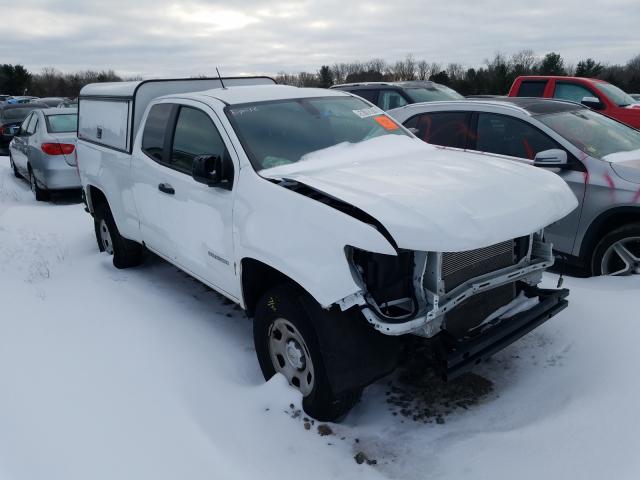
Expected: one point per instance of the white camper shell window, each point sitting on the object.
(106, 122)
(109, 114)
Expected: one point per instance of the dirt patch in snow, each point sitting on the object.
(418, 393)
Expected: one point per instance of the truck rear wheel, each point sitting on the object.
(126, 253)
(286, 342)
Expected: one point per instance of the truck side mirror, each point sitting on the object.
(212, 171)
(553, 158)
(592, 102)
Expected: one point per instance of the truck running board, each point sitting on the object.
(456, 356)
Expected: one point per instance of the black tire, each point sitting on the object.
(629, 231)
(16, 173)
(126, 253)
(297, 307)
(41, 194)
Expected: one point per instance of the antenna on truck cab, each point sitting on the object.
(220, 78)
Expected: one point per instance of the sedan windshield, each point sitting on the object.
(62, 123)
(593, 133)
(616, 95)
(432, 94)
(281, 132)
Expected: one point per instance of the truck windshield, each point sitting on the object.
(594, 134)
(616, 95)
(280, 132)
(432, 94)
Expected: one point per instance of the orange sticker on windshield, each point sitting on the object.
(386, 123)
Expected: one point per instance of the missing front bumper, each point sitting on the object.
(458, 355)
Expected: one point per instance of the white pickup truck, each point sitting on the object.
(331, 225)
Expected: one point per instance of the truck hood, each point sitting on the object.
(434, 199)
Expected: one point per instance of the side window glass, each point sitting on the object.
(370, 95)
(509, 136)
(390, 99)
(195, 134)
(572, 92)
(532, 88)
(31, 128)
(25, 123)
(153, 136)
(447, 129)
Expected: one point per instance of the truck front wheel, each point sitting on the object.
(126, 253)
(286, 342)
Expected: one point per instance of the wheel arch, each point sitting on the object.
(256, 278)
(605, 223)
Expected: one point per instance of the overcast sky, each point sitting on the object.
(170, 38)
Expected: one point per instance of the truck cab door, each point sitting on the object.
(191, 222)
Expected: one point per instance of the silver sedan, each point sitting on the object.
(43, 151)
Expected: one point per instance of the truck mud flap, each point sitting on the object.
(457, 355)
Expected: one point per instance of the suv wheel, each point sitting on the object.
(286, 342)
(618, 253)
(126, 253)
(41, 194)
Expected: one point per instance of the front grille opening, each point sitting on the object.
(459, 267)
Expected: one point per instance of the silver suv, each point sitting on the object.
(597, 156)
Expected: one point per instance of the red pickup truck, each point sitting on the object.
(596, 94)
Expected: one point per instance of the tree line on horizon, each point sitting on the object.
(494, 77)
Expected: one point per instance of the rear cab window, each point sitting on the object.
(64, 123)
(532, 88)
(155, 128)
(370, 95)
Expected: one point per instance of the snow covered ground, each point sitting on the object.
(145, 374)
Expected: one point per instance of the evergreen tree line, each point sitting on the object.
(494, 77)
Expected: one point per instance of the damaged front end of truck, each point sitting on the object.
(470, 304)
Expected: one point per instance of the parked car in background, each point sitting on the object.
(331, 225)
(635, 96)
(43, 151)
(591, 92)
(11, 116)
(52, 102)
(597, 156)
(68, 103)
(4, 98)
(390, 95)
(21, 99)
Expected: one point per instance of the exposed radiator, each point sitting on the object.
(458, 267)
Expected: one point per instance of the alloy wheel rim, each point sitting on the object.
(105, 237)
(622, 258)
(290, 355)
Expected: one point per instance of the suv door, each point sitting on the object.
(192, 222)
(518, 140)
(447, 129)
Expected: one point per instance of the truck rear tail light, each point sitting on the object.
(58, 148)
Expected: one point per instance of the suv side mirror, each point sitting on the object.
(210, 170)
(592, 102)
(554, 158)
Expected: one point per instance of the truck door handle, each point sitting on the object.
(166, 188)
